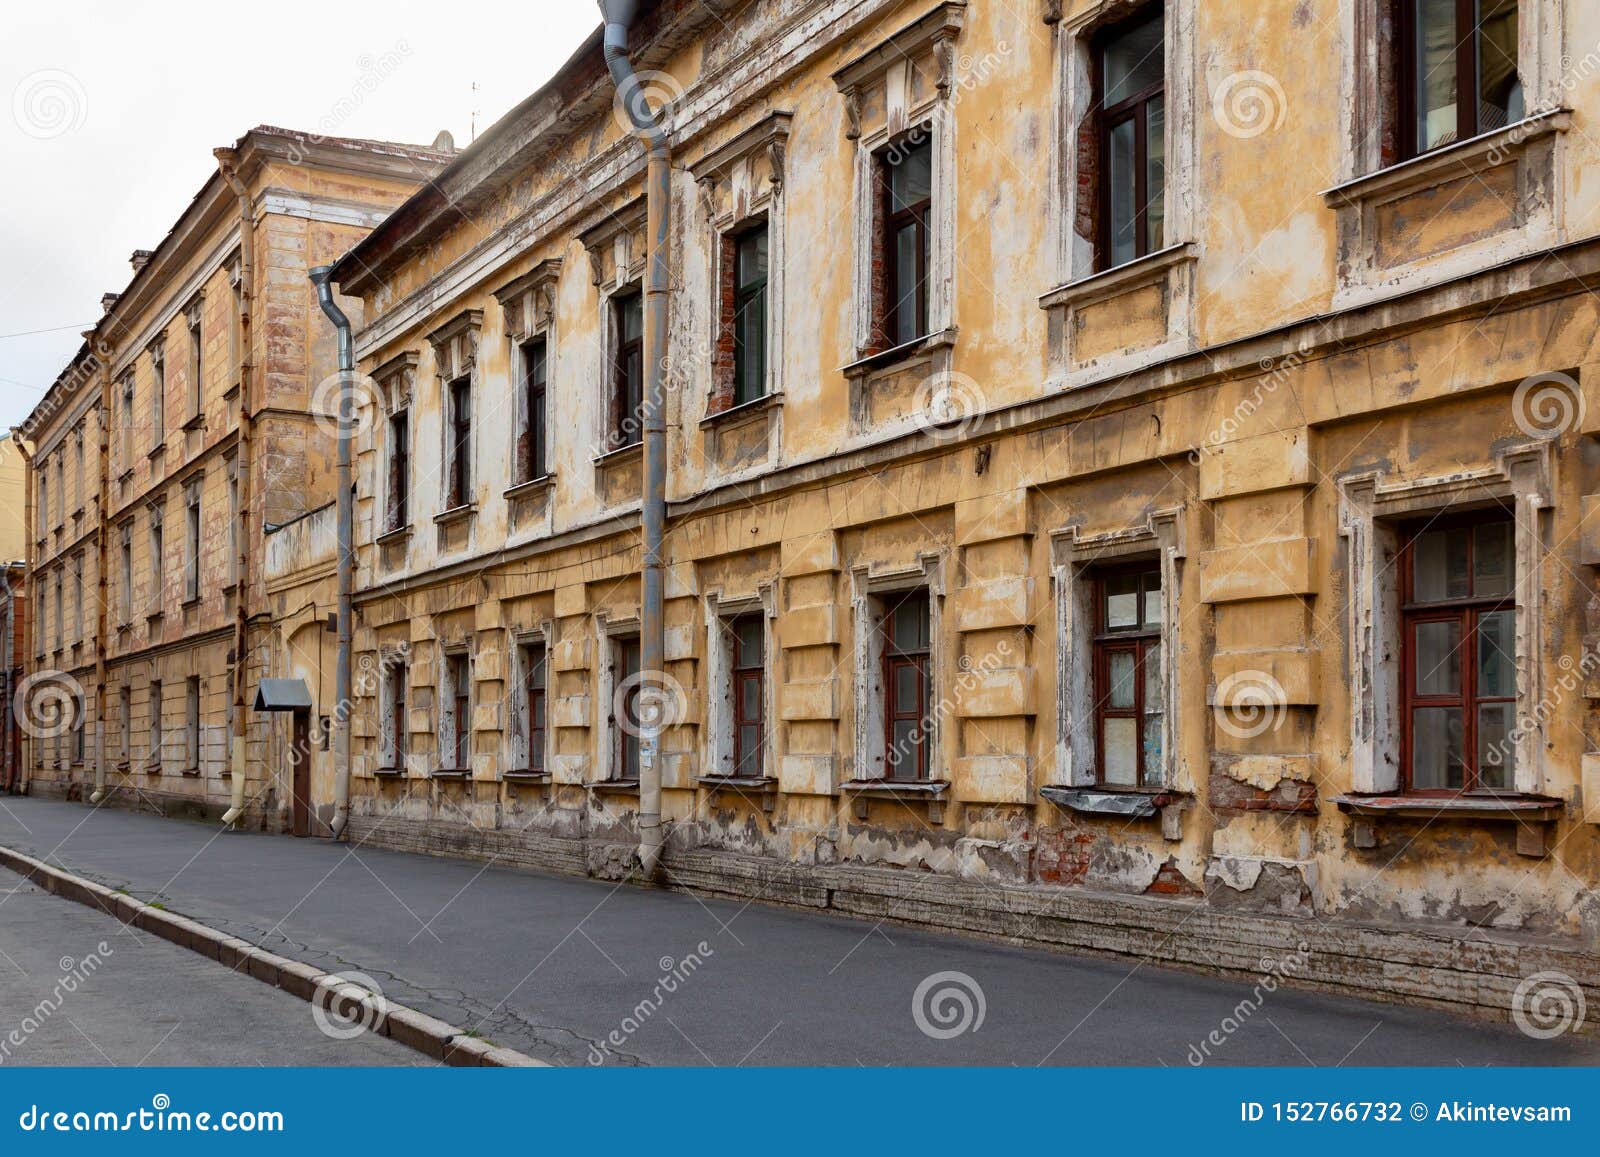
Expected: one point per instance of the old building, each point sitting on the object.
(194, 420)
(1128, 468)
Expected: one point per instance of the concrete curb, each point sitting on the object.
(416, 1030)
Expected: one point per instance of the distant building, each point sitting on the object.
(13, 473)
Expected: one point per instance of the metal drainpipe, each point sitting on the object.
(344, 707)
(619, 15)
(25, 750)
(227, 165)
(101, 547)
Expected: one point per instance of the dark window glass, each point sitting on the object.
(908, 629)
(908, 192)
(397, 712)
(399, 470)
(750, 315)
(460, 690)
(627, 378)
(749, 694)
(460, 442)
(1458, 647)
(626, 725)
(531, 442)
(1127, 677)
(1132, 76)
(1459, 70)
(534, 667)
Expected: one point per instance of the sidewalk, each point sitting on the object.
(571, 970)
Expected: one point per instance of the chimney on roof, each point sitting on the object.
(107, 300)
(444, 142)
(140, 258)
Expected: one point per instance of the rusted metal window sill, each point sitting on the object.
(389, 772)
(764, 787)
(451, 773)
(931, 792)
(525, 775)
(1101, 801)
(615, 787)
(1508, 809)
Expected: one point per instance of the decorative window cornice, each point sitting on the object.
(934, 35)
(616, 246)
(529, 301)
(396, 378)
(738, 178)
(455, 344)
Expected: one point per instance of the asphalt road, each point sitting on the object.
(575, 971)
(78, 987)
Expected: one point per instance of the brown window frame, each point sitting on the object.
(532, 450)
(893, 221)
(625, 664)
(751, 675)
(1467, 54)
(397, 712)
(535, 674)
(1468, 613)
(749, 319)
(460, 492)
(1135, 107)
(1138, 640)
(627, 374)
(458, 670)
(398, 515)
(920, 660)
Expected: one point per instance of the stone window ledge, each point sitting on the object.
(153, 768)
(389, 772)
(932, 792)
(451, 773)
(231, 392)
(620, 454)
(764, 786)
(455, 514)
(157, 449)
(1134, 274)
(525, 775)
(1448, 161)
(615, 787)
(1504, 808)
(191, 772)
(940, 339)
(394, 537)
(195, 422)
(530, 488)
(1139, 804)
(744, 409)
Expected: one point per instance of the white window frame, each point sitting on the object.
(449, 725)
(1075, 558)
(516, 751)
(393, 664)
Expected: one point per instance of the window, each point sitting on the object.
(1128, 677)
(531, 459)
(196, 361)
(625, 724)
(750, 315)
(748, 639)
(44, 499)
(126, 546)
(233, 524)
(457, 732)
(155, 724)
(1458, 67)
(191, 562)
(907, 176)
(1130, 64)
(61, 619)
(533, 690)
(399, 513)
(127, 422)
(394, 713)
(77, 599)
(158, 395)
(191, 723)
(157, 552)
(460, 443)
(907, 681)
(1459, 618)
(235, 316)
(61, 486)
(77, 741)
(83, 478)
(627, 371)
(125, 706)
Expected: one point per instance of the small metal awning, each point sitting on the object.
(283, 695)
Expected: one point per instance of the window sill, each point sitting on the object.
(390, 772)
(1102, 801)
(931, 792)
(196, 422)
(191, 601)
(1129, 275)
(620, 454)
(155, 617)
(524, 775)
(155, 451)
(615, 787)
(455, 514)
(231, 392)
(191, 772)
(765, 787)
(450, 773)
(1503, 808)
(743, 409)
(152, 769)
(531, 487)
(395, 537)
(943, 339)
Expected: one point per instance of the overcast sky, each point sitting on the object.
(115, 108)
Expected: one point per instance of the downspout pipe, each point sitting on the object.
(101, 618)
(30, 513)
(228, 166)
(620, 16)
(344, 707)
